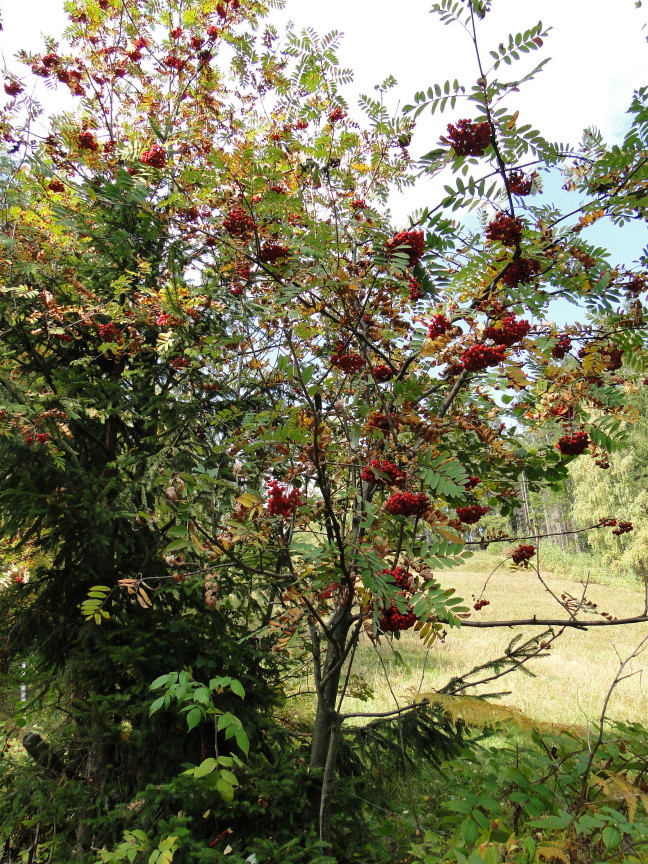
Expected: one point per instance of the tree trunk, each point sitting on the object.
(326, 729)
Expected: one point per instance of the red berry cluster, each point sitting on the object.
(410, 243)
(56, 186)
(110, 332)
(438, 326)
(562, 346)
(358, 204)
(270, 252)
(619, 527)
(479, 604)
(281, 500)
(175, 62)
(613, 358)
(505, 229)
(480, 357)
(635, 286)
(392, 620)
(508, 331)
(471, 514)
(468, 138)
(329, 591)
(349, 363)
(523, 554)
(573, 445)
(242, 270)
(337, 114)
(521, 270)
(87, 141)
(181, 362)
(518, 183)
(407, 504)
(415, 292)
(403, 578)
(238, 222)
(155, 157)
(394, 477)
(471, 482)
(13, 88)
(38, 438)
(383, 373)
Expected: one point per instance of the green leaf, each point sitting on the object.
(205, 767)
(611, 836)
(237, 688)
(194, 717)
(156, 705)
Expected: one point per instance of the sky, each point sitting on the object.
(598, 50)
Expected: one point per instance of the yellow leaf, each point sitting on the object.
(447, 534)
(247, 499)
(143, 599)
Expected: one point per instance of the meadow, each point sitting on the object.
(568, 685)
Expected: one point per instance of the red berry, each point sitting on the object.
(519, 184)
(573, 445)
(438, 326)
(238, 222)
(480, 357)
(56, 186)
(392, 620)
(520, 270)
(523, 554)
(382, 373)
(415, 292)
(282, 501)
(271, 252)
(372, 472)
(562, 346)
(155, 157)
(401, 576)
(407, 504)
(472, 514)
(468, 138)
(87, 141)
(349, 363)
(181, 362)
(175, 62)
(508, 331)
(505, 229)
(337, 114)
(471, 482)
(409, 243)
(13, 88)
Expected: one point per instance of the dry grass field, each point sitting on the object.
(571, 682)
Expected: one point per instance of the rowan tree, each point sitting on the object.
(229, 379)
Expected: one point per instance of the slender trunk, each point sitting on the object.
(327, 687)
(327, 726)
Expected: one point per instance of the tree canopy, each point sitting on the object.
(244, 417)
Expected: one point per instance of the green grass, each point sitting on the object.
(571, 682)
